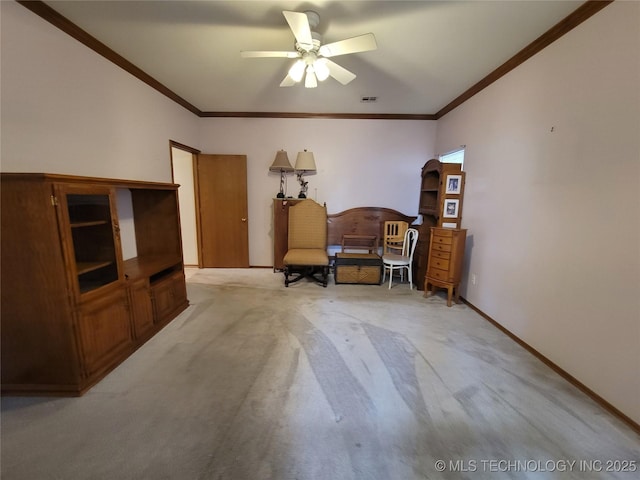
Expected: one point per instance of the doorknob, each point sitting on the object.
(244, 219)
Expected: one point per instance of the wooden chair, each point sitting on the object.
(307, 246)
(395, 261)
(394, 236)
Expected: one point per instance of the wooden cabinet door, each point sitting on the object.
(141, 308)
(179, 289)
(104, 327)
(90, 238)
(169, 295)
(222, 210)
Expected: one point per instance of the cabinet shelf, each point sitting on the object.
(86, 267)
(150, 265)
(429, 210)
(88, 224)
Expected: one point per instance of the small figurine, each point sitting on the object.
(303, 186)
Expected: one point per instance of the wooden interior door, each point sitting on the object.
(221, 190)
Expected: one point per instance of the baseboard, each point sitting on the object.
(568, 377)
(250, 266)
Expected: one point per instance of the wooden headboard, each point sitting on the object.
(362, 221)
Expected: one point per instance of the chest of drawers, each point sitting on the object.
(446, 254)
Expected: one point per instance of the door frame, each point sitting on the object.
(194, 152)
(197, 203)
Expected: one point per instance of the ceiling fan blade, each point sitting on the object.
(299, 24)
(266, 54)
(361, 43)
(288, 82)
(341, 74)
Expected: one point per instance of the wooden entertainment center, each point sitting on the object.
(72, 307)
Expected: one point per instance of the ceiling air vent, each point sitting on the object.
(369, 99)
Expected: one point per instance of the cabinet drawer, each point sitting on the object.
(440, 247)
(443, 232)
(439, 263)
(440, 254)
(437, 274)
(442, 240)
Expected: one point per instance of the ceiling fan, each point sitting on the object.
(313, 57)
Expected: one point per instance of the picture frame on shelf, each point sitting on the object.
(449, 225)
(454, 184)
(450, 208)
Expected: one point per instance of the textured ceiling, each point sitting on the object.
(429, 52)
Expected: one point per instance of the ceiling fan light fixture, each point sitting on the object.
(296, 72)
(321, 69)
(312, 55)
(310, 80)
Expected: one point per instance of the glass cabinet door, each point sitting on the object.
(93, 238)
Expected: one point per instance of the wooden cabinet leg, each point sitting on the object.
(453, 293)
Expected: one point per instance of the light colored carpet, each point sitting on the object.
(257, 381)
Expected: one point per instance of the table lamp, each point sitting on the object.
(305, 164)
(281, 164)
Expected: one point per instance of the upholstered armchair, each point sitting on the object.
(307, 243)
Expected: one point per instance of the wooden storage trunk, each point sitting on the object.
(361, 268)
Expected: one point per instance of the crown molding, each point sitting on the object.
(50, 15)
(586, 10)
(344, 116)
(582, 13)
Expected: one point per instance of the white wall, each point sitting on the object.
(183, 176)
(66, 109)
(124, 205)
(359, 162)
(554, 216)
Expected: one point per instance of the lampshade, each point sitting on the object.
(296, 72)
(310, 80)
(305, 162)
(321, 69)
(281, 163)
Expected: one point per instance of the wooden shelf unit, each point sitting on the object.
(72, 309)
(431, 207)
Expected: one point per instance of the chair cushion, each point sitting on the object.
(395, 259)
(306, 256)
